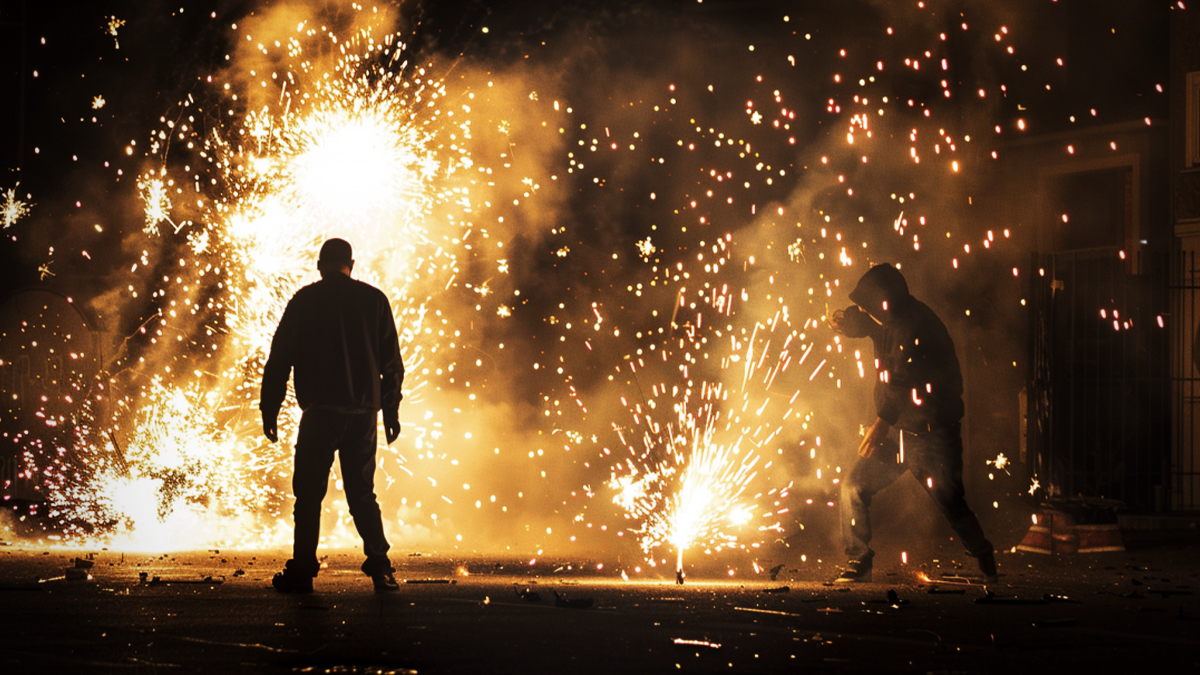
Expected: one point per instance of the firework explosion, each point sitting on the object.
(356, 145)
(672, 333)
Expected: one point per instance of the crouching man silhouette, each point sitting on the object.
(918, 393)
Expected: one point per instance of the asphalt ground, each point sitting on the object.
(215, 611)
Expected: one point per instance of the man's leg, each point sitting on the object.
(315, 445)
(865, 480)
(939, 465)
(356, 452)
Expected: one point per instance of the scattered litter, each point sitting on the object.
(775, 571)
(528, 595)
(576, 603)
(206, 581)
(682, 642)
(1051, 597)
(894, 599)
(431, 581)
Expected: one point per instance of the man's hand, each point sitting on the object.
(838, 321)
(874, 438)
(271, 426)
(852, 322)
(391, 425)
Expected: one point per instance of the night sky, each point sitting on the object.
(60, 56)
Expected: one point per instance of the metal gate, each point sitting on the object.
(1100, 405)
(1185, 376)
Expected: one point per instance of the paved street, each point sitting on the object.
(213, 611)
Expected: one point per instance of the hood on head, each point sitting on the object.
(881, 290)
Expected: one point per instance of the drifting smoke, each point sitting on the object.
(612, 244)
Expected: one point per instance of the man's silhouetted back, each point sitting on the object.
(338, 337)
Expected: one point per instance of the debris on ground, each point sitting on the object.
(527, 594)
(561, 600)
(894, 600)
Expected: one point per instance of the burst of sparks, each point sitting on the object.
(1000, 462)
(158, 204)
(646, 248)
(13, 208)
(114, 24)
(349, 151)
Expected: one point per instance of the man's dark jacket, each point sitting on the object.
(919, 384)
(339, 336)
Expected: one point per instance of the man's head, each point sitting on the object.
(336, 257)
(881, 291)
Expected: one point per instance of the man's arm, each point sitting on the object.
(391, 372)
(276, 372)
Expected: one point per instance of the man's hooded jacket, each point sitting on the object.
(919, 384)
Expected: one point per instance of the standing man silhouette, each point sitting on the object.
(339, 336)
(918, 392)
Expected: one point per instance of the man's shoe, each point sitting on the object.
(856, 571)
(293, 579)
(380, 570)
(987, 565)
(385, 582)
(288, 581)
